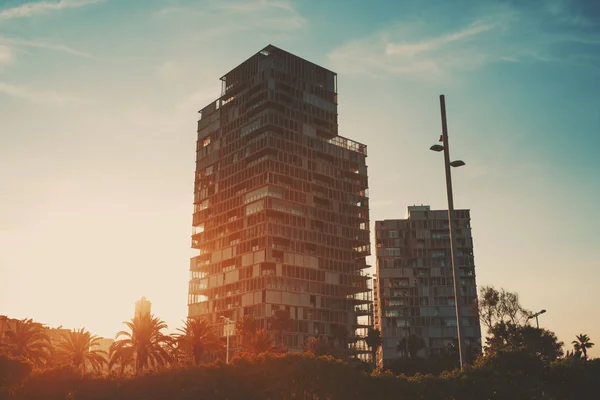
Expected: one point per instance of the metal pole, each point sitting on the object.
(227, 354)
(451, 227)
(537, 322)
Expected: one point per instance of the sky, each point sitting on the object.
(98, 111)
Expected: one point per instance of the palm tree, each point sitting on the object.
(77, 348)
(582, 344)
(29, 340)
(260, 342)
(280, 321)
(373, 340)
(144, 346)
(198, 337)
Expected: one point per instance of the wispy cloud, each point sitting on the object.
(501, 34)
(6, 55)
(36, 96)
(45, 45)
(238, 16)
(41, 7)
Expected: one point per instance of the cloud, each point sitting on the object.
(499, 34)
(435, 43)
(36, 96)
(44, 45)
(32, 8)
(238, 16)
(6, 55)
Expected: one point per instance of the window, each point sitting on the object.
(206, 142)
(251, 127)
(393, 234)
(392, 252)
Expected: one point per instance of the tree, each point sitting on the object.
(340, 332)
(373, 340)
(280, 322)
(197, 338)
(13, 370)
(318, 346)
(495, 306)
(260, 342)
(487, 305)
(411, 346)
(246, 326)
(510, 307)
(582, 344)
(144, 345)
(541, 342)
(506, 336)
(77, 348)
(29, 340)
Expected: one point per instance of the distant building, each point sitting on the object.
(104, 345)
(142, 307)
(6, 324)
(414, 292)
(281, 208)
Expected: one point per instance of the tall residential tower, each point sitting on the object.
(414, 293)
(281, 209)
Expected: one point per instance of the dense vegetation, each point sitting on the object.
(510, 375)
(520, 362)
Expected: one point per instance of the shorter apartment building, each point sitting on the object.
(414, 293)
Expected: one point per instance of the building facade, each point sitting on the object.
(414, 294)
(281, 209)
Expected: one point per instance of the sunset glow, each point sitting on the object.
(98, 114)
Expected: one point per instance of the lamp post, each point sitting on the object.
(536, 315)
(227, 321)
(447, 165)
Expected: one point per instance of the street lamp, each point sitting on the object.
(536, 315)
(227, 331)
(447, 164)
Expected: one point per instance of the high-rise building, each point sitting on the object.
(142, 307)
(414, 293)
(281, 209)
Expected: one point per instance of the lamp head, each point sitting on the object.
(457, 163)
(436, 147)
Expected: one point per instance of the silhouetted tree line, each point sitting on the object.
(520, 362)
(506, 375)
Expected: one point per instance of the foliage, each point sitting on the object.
(259, 343)
(495, 306)
(581, 345)
(13, 369)
(318, 346)
(340, 333)
(197, 339)
(409, 347)
(29, 341)
(280, 322)
(144, 346)
(77, 349)
(246, 326)
(506, 336)
(508, 375)
(373, 340)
